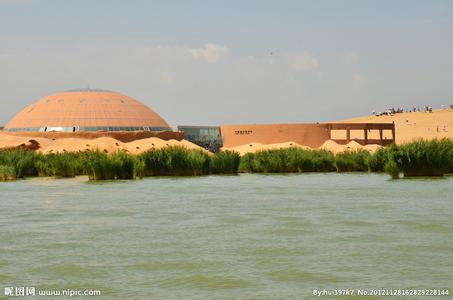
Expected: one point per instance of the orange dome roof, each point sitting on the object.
(87, 110)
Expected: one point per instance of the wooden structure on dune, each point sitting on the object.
(373, 133)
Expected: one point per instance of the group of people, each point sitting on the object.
(391, 111)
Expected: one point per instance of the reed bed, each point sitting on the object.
(422, 158)
(20, 160)
(119, 165)
(378, 160)
(59, 165)
(7, 173)
(419, 158)
(175, 161)
(288, 160)
(352, 161)
(226, 162)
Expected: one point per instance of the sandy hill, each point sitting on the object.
(254, 147)
(105, 144)
(12, 141)
(413, 125)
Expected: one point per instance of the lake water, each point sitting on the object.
(224, 237)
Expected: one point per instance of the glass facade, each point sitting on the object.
(200, 132)
(208, 137)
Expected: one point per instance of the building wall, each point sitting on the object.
(312, 135)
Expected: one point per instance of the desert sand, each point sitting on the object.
(414, 125)
(327, 145)
(12, 141)
(351, 146)
(105, 144)
(254, 147)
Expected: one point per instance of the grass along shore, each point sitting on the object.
(97, 165)
(419, 158)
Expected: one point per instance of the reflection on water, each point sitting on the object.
(242, 236)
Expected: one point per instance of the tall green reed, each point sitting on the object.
(226, 162)
(287, 160)
(423, 157)
(352, 161)
(21, 160)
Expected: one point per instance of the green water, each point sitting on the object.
(227, 237)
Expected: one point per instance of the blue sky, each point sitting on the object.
(211, 62)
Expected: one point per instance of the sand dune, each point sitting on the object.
(12, 141)
(372, 147)
(140, 146)
(329, 145)
(254, 147)
(105, 144)
(332, 146)
(351, 146)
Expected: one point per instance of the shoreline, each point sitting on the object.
(419, 158)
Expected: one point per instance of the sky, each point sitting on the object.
(225, 62)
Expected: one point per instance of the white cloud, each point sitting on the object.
(211, 53)
(303, 62)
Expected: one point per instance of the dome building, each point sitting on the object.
(87, 110)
